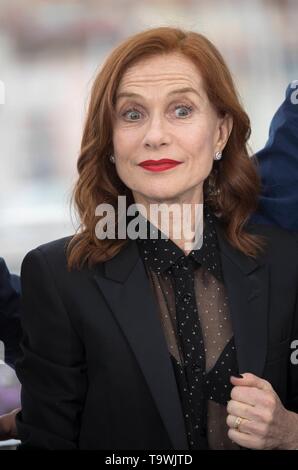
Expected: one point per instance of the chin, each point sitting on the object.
(161, 196)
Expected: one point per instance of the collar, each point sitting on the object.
(161, 254)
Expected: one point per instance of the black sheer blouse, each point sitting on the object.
(194, 314)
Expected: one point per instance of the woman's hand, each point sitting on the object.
(8, 428)
(265, 423)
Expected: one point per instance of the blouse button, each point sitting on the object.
(183, 262)
(187, 297)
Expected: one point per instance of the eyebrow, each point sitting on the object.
(173, 92)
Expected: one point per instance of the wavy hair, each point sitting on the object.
(231, 189)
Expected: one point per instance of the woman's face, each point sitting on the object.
(163, 112)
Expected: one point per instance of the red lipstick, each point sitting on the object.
(159, 165)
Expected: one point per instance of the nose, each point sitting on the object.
(157, 133)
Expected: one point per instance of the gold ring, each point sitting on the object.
(238, 421)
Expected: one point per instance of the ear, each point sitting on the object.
(225, 126)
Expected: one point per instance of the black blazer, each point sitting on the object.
(96, 372)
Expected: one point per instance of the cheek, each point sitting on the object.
(198, 137)
(118, 142)
(124, 145)
(200, 148)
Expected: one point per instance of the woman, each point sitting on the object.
(138, 343)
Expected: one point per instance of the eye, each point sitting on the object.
(132, 114)
(185, 110)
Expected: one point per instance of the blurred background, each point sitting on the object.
(50, 52)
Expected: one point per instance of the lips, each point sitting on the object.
(159, 165)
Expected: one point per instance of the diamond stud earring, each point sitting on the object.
(112, 158)
(217, 156)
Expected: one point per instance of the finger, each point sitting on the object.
(244, 410)
(231, 420)
(247, 426)
(262, 399)
(250, 395)
(250, 441)
(251, 380)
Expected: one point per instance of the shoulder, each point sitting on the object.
(50, 259)
(8, 282)
(55, 247)
(281, 246)
(3, 270)
(53, 252)
(45, 272)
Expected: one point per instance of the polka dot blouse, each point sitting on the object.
(194, 314)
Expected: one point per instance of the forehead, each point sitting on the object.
(162, 70)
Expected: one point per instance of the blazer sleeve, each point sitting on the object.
(10, 306)
(278, 166)
(52, 369)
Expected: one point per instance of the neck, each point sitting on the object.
(181, 219)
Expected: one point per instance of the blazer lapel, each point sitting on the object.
(127, 290)
(247, 284)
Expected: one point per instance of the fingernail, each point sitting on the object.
(238, 376)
